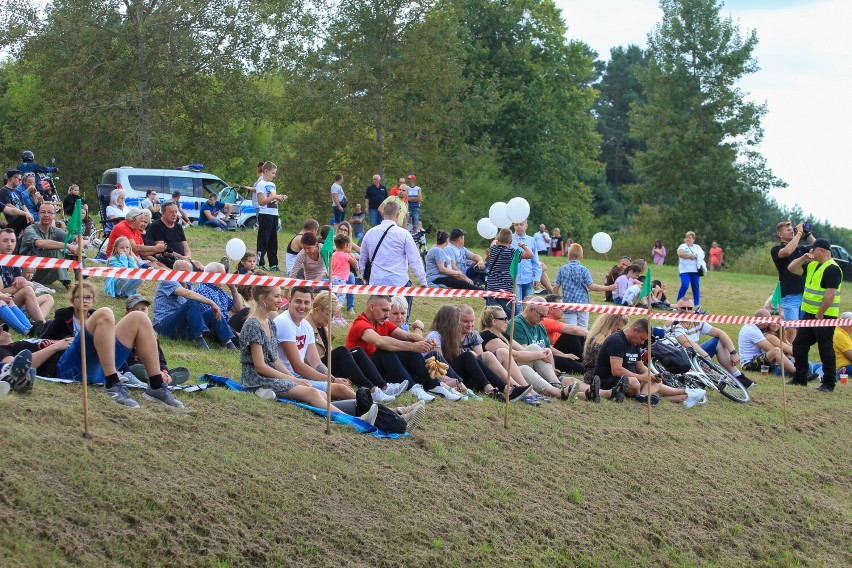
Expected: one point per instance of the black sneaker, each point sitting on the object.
(37, 329)
(519, 392)
(496, 395)
(794, 382)
(823, 388)
(201, 343)
(162, 396)
(812, 377)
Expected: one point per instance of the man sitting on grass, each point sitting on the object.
(620, 368)
(689, 334)
(757, 351)
(395, 353)
(178, 313)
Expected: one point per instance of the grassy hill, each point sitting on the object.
(238, 481)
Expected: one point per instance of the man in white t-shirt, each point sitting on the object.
(338, 200)
(689, 335)
(756, 351)
(297, 346)
(542, 241)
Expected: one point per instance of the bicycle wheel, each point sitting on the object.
(727, 384)
(669, 379)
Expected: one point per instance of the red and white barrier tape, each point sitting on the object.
(21, 261)
(252, 280)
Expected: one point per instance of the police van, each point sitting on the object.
(194, 185)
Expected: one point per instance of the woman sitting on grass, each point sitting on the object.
(494, 325)
(447, 332)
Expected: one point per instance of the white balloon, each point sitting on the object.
(235, 249)
(517, 209)
(497, 214)
(486, 229)
(601, 242)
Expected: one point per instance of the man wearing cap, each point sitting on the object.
(791, 248)
(843, 345)
(17, 216)
(374, 196)
(468, 263)
(820, 301)
(415, 198)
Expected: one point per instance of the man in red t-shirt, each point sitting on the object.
(396, 353)
(132, 226)
(566, 340)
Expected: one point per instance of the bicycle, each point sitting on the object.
(704, 374)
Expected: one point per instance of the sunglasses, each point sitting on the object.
(685, 309)
(500, 319)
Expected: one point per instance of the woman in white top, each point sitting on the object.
(267, 217)
(690, 257)
(116, 210)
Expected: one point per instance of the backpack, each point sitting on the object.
(674, 359)
(387, 420)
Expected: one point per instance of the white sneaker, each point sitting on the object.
(370, 416)
(417, 390)
(693, 397)
(396, 389)
(380, 396)
(445, 392)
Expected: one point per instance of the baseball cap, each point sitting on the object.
(412, 176)
(821, 243)
(135, 299)
(456, 233)
(11, 173)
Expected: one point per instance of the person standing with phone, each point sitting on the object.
(791, 248)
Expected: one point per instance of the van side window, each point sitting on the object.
(145, 183)
(181, 184)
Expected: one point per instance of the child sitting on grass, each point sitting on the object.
(247, 264)
(122, 257)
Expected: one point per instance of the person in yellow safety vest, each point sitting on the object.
(821, 300)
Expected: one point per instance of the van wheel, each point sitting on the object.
(251, 223)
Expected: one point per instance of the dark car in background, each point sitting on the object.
(842, 258)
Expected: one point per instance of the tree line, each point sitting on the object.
(481, 99)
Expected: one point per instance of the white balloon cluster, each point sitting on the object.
(501, 216)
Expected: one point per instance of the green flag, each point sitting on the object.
(513, 268)
(75, 224)
(327, 250)
(646, 286)
(776, 298)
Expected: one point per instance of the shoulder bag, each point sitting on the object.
(368, 266)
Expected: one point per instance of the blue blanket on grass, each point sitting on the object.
(338, 417)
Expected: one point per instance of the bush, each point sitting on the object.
(756, 260)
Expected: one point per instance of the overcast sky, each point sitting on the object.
(805, 78)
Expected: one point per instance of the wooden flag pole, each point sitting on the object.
(650, 376)
(328, 366)
(82, 317)
(511, 358)
(783, 378)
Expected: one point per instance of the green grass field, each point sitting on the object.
(237, 481)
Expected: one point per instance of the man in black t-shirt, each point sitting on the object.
(822, 303)
(619, 366)
(46, 352)
(792, 285)
(374, 196)
(167, 230)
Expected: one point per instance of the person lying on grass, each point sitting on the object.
(108, 345)
(619, 367)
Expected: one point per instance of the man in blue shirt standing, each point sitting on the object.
(529, 270)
